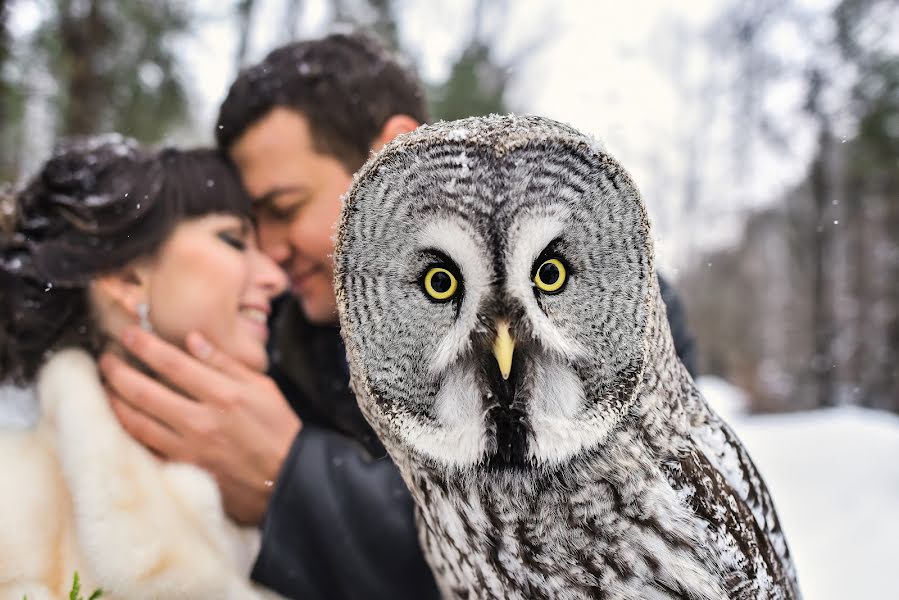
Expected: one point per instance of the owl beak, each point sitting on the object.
(503, 347)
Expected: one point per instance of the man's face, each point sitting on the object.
(296, 194)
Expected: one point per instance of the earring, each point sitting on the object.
(143, 316)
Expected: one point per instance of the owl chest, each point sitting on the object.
(583, 548)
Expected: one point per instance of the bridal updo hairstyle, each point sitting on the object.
(96, 205)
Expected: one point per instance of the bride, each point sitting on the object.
(104, 236)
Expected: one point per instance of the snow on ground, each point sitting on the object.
(834, 476)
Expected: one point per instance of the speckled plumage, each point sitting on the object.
(596, 470)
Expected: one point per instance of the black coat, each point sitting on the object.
(340, 522)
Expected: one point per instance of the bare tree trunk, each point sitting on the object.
(9, 161)
(385, 24)
(244, 26)
(84, 40)
(889, 388)
(382, 20)
(822, 318)
(5, 43)
(292, 11)
(822, 362)
(858, 281)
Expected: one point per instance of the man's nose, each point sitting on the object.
(271, 276)
(275, 245)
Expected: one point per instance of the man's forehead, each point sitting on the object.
(272, 173)
(280, 127)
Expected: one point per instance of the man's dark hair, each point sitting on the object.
(347, 86)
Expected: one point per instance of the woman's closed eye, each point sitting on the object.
(236, 240)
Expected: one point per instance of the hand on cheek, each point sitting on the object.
(207, 409)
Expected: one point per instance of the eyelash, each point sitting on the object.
(234, 242)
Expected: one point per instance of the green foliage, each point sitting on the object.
(476, 86)
(376, 16)
(115, 64)
(104, 65)
(101, 65)
(477, 82)
(12, 99)
(75, 592)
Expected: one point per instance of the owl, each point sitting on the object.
(508, 343)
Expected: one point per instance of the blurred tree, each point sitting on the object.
(476, 86)
(804, 311)
(243, 11)
(118, 66)
(293, 9)
(12, 105)
(477, 81)
(822, 365)
(871, 193)
(740, 32)
(376, 16)
(115, 64)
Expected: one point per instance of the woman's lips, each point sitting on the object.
(257, 317)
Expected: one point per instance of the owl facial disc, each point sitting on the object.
(493, 292)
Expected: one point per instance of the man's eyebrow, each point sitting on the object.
(271, 195)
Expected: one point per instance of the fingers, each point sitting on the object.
(215, 358)
(177, 367)
(158, 438)
(151, 398)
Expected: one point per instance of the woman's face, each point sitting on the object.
(210, 277)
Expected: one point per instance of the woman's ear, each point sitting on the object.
(394, 126)
(125, 290)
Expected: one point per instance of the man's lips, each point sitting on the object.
(298, 280)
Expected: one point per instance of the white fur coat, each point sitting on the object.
(77, 493)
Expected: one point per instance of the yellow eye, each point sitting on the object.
(440, 284)
(550, 276)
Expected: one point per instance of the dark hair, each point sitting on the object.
(96, 205)
(347, 86)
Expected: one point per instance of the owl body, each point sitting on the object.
(508, 343)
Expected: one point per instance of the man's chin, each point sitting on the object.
(318, 312)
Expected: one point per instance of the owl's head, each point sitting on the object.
(494, 280)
